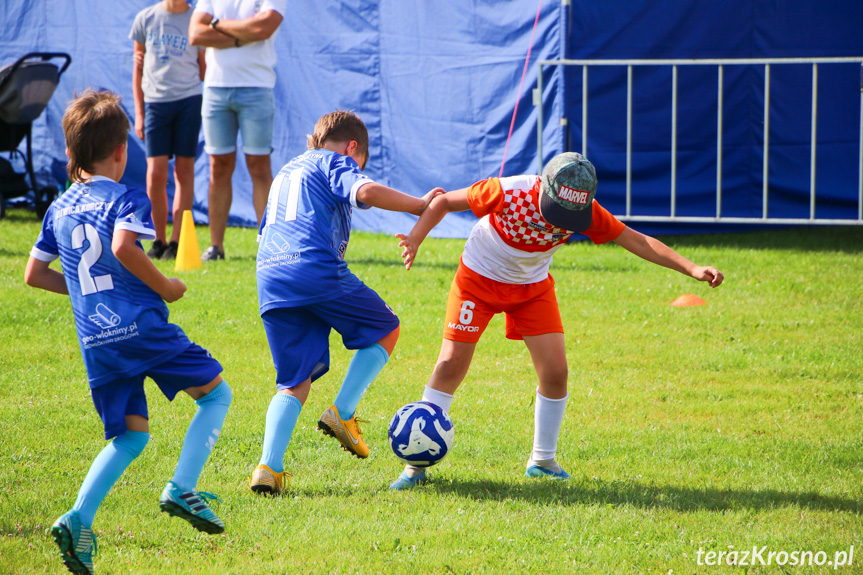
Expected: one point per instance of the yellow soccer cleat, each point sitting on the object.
(266, 481)
(347, 432)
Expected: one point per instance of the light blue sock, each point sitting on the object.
(365, 366)
(282, 417)
(106, 469)
(202, 435)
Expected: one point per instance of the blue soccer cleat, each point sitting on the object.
(406, 482)
(547, 468)
(191, 506)
(77, 543)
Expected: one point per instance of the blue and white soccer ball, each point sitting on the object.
(421, 433)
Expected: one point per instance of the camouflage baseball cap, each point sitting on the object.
(567, 190)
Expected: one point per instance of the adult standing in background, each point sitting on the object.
(166, 82)
(238, 96)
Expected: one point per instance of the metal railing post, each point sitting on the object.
(674, 141)
(813, 144)
(719, 104)
(584, 110)
(766, 150)
(628, 140)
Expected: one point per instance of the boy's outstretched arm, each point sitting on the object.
(455, 201)
(136, 261)
(39, 275)
(653, 250)
(385, 198)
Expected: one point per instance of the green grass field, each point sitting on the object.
(711, 428)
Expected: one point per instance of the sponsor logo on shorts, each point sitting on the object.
(460, 327)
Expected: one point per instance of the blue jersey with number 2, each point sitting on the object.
(305, 231)
(122, 324)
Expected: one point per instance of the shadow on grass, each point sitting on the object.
(684, 499)
(846, 239)
(398, 263)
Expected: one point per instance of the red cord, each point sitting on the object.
(520, 86)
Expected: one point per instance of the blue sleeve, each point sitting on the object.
(345, 179)
(135, 214)
(46, 248)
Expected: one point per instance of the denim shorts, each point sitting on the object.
(172, 128)
(249, 111)
(193, 367)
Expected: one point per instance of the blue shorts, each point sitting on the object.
(299, 337)
(249, 111)
(194, 367)
(172, 128)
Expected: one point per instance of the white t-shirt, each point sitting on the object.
(512, 243)
(249, 66)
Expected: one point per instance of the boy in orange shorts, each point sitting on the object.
(504, 268)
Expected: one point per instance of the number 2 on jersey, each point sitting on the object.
(89, 283)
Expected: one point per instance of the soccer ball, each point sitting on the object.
(421, 433)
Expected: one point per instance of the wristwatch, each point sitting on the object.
(213, 23)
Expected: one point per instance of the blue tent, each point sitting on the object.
(437, 82)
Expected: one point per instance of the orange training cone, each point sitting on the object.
(685, 300)
(188, 256)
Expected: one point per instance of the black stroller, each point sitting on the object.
(25, 89)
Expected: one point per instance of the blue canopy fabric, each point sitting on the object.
(437, 82)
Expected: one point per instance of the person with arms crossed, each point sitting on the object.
(238, 97)
(121, 319)
(504, 269)
(166, 83)
(305, 288)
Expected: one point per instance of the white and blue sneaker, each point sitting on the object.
(191, 506)
(77, 543)
(546, 468)
(405, 481)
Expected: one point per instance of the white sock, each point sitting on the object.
(442, 400)
(439, 398)
(547, 418)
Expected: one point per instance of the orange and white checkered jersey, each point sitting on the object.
(512, 243)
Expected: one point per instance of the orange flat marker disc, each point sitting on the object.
(688, 299)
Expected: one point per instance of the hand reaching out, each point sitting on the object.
(409, 253)
(708, 274)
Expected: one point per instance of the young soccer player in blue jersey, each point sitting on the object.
(95, 229)
(305, 288)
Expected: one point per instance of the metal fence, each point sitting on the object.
(720, 64)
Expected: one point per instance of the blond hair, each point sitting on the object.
(94, 125)
(340, 126)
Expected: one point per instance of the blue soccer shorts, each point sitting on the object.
(299, 337)
(194, 367)
(173, 128)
